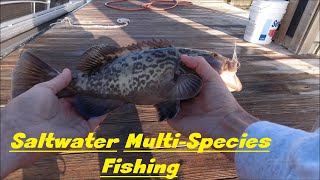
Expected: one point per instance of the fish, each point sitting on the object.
(145, 73)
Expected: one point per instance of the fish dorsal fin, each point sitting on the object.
(152, 44)
(98, 55)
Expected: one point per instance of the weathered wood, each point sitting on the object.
(285, 22)
(241, 3)
(312, 36)
(303, 26)
(315, 47)
(278, 86)
(88, 165)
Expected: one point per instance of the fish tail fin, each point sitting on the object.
(31, 70)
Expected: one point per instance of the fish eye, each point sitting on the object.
(214, 54)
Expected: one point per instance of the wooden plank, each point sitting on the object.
(62, 166)
(316, 44)
(311, 35)
(286, 41)
(303, 26)
(281, 32)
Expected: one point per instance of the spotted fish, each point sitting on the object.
(145, 73)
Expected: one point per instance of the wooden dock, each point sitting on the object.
(277, 86)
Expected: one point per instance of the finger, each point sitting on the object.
(82, 128)
(95, 121)
(65, 104)
(59, 82)
(200, 66)
(70, 100)
(179, 124)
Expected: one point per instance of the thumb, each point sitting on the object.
(59, 82)
(201, 67)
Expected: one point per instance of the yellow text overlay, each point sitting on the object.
(164, 142)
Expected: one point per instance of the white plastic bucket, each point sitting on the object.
(264, 19)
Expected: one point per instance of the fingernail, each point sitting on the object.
(65, 70)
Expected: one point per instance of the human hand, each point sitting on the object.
(39, 110)
(214, 112)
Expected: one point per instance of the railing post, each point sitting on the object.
(34, 7)
(48, 4)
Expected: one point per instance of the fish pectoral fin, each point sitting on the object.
(92, 107)
(187, 86)
(167, 110)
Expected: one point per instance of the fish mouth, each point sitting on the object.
(231, 80)
(228, 72)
